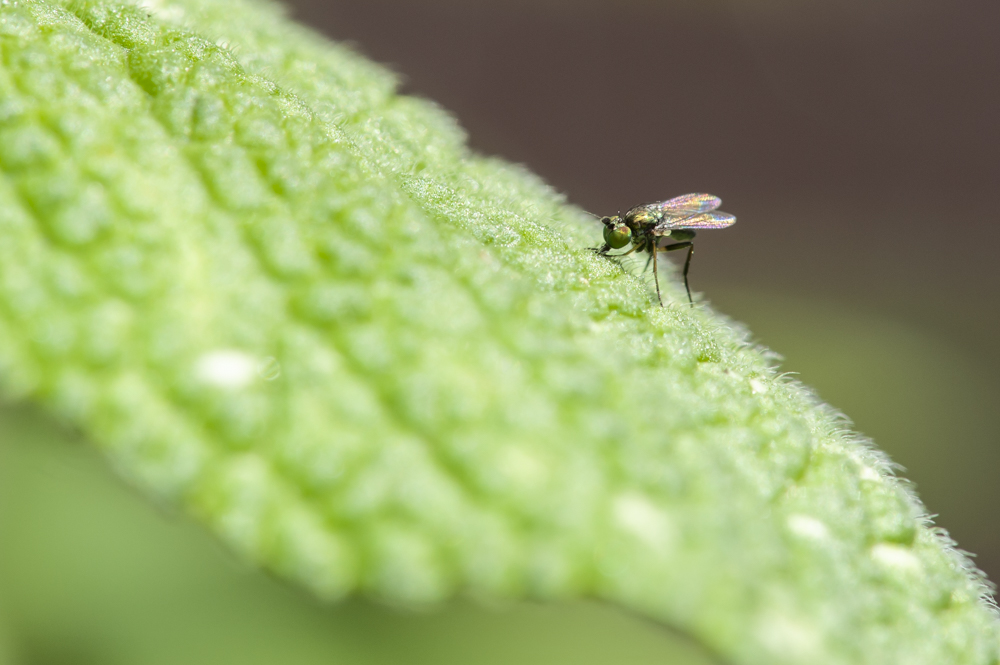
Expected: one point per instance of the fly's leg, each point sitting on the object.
(687, 266)
(687, 262)
(603, 251)
(618, 256)
(656, 273)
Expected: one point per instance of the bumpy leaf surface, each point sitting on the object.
(282, 295)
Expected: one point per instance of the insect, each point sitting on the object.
(675, 219)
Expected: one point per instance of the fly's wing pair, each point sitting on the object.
(691, 211)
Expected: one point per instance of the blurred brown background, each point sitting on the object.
(857, 142)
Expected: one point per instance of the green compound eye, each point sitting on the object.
(617, 235)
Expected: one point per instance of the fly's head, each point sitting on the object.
(616, 233)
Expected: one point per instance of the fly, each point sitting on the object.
(675, 219)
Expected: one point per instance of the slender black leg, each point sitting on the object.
(618, 256)
(687, 266)
(687, 262)
(656, 273)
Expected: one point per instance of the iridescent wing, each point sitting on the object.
(689, 204)
(704, 220)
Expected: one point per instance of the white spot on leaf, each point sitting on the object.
(896, 556)
(808, 527)
(226, 368)
(638, 515)
(868, 473)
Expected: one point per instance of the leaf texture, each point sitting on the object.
(282, 295)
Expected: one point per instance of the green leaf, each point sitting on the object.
(91, 575)
(276, 292)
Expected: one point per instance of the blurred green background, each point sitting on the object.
(857, 144)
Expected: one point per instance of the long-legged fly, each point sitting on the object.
(675, 219)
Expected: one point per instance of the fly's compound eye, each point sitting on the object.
(617, 235)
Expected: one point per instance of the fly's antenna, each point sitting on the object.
(599, 218)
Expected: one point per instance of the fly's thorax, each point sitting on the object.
(640, 217)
